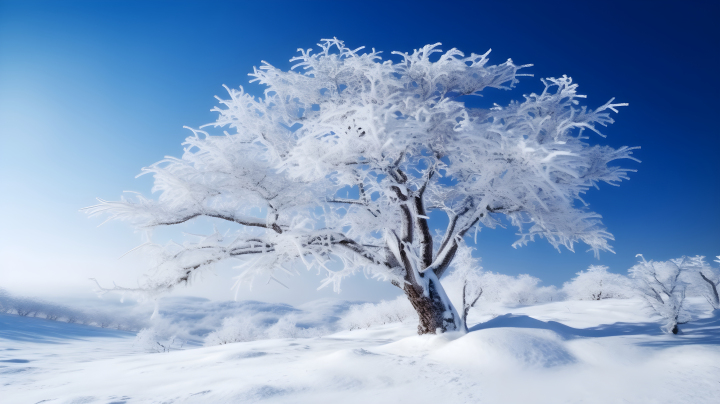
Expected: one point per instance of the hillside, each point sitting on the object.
(565, 352)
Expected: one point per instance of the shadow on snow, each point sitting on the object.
(17, 328)
(701, 331)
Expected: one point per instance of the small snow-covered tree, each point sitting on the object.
(662, 285)
(398, 135)
(150, 340)
(703, 277)
(597, 283)
(711, 277)
(466, 277)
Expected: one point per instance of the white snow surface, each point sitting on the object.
(608, 351)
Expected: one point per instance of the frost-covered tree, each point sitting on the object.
(597, 283)
(703, 277)
(340, 163)
(711, 277)
(662, 284)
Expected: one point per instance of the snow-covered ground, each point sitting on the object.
(609, 351)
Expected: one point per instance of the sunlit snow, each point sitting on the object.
(603, 351)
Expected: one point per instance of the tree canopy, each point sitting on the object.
(346, 154)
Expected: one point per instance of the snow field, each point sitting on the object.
(608, 351)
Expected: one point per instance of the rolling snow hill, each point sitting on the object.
(609, 351)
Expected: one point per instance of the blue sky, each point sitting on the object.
(90, 92)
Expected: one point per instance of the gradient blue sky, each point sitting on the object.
(90, 92)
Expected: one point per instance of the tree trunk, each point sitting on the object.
(435, 311)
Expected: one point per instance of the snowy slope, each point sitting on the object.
(606, 351)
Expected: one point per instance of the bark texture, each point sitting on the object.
(435, 313)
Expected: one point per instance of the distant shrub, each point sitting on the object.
(27, 307)
(372, 314)
(287, 327)
(522, 289)
(597, 283)
(505, 289)
(233, 329)
(247, 328)
(31, 307)
(150, 340)
(6, 302)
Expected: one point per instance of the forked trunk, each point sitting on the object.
(435, 311)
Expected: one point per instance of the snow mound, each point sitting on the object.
(503, 348)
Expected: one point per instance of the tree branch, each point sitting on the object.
(245, 221)
(348, 201)
(467, 204)
(445, 257)
(448, 232)
(713, 287)
(425, 238)
(467, 307)
(421, 221)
